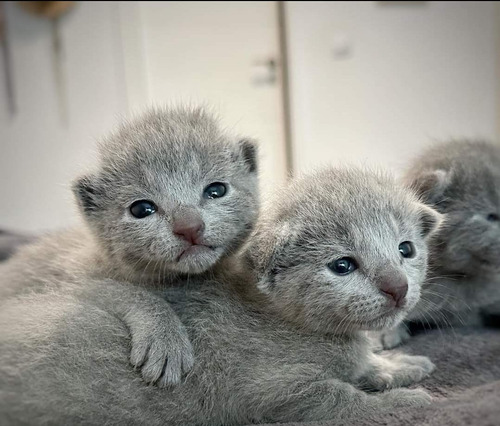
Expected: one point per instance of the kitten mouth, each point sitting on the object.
(194, 250)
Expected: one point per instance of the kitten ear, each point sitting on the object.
(430, 220)
(87, 193)
(430, 185)
(248, 150)
(264, 252)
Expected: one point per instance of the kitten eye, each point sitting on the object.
(142, 208)
(493, 217)
(407, 249)
(214, 190)
(343, 266)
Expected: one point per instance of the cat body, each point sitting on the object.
(460, 179)
(173, 196)
(279, 338)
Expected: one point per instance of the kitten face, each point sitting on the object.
(463, 181)
(343, 214)
(173, 192)
(470, 243)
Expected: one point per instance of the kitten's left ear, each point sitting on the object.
(87, 192)
(430, 220)
(248, 151)
(431, 185)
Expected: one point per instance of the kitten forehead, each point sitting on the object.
(175, 148)
(170, 139)
(341, 196)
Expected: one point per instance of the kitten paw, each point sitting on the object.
(162, 354)
(403, 398)
(395, 370)
(410, 369)
(394, 337)
(375, 341)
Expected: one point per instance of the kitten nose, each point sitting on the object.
(188, 226)
(394, 289)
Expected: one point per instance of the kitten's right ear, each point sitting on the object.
(264, 252)
(248, 149)
(430, 220)
(430, 185)
(86, 191)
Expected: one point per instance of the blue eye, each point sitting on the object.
(343, 266)
(142, 208)
(493, 217)
(407, 249)
(215, 190)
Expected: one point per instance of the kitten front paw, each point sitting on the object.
(410, 369)
(394, 337)
(404, 398)
(163, 354)
(395, 370)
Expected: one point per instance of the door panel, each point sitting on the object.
(219, 53)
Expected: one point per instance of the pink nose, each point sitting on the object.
(395, 290)
(188, 225)
(189, 232)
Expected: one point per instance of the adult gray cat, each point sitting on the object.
(339, 252)
(462, 180)
(172, 196)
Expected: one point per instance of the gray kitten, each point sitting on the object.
(173, 196)
(340, 252)
(462, 180)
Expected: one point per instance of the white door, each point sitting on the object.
(212, 52)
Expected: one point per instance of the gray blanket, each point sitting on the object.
(465, 385)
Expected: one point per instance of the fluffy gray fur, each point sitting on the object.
(286, 344)
(461, 179)
(120, 263)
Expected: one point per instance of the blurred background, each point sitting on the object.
(315, 82)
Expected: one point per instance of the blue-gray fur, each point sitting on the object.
(461, 179)
(169, 157)
(282, 344)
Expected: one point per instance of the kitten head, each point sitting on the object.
(173, 192)
(462, 180)
(343, 250)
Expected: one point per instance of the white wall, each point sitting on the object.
(121, 57)
(39, 155)
(406, 72)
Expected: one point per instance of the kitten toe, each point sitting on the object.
(153, 367)
(423, 362)
(187, 361)
(403, 398)
(172, 373)
(138, 354)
